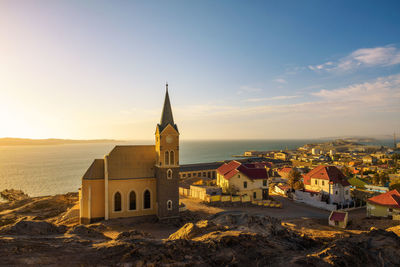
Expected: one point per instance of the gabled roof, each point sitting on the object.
(166, 116)
(391, 199)
(330, 173)
(252, 171)
(95, 171)
(338, 216)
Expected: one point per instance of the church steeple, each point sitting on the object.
(166, 116)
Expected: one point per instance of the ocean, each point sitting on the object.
(57, 169)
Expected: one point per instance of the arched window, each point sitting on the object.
(169, 174)
(172, 157)
(132, 200)
(146, 199)
(117, 202)
(169, 204)
(166, 158)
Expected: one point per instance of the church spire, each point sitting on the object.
(166, 116)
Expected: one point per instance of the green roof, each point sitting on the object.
(357, 182)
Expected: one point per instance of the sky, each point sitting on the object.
(236, 69)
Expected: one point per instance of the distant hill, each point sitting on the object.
(51, 141)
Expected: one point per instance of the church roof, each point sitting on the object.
(125, 162)
(166, 116)
(95, 171)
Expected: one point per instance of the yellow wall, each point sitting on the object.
(237, 181)
(97, 198)
(125, 187)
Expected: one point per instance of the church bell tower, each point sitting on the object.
(167, 163)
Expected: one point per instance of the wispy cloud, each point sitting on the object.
(383, 90)
(366, 57)
(280, 80)
(281, 97)
(248, 89)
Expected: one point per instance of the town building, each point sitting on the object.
(135, 180)
(385, 205)
(338, 219)
(202, 170)
(249, 179)
(331, 182)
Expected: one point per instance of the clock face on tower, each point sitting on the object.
(169, 139)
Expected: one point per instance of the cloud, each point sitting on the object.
(365, 57)
(383, 91)
(248, 89)
(280, 80)
(281, 97)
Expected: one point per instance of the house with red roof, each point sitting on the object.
(338, 219)
(244, 179)
(330, 181)
(385, 205)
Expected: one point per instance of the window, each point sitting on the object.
(132, 201)
(254, 195)
(189, 175)
(264, 182)
(390, 210)
(184, 175)
(245, 184)
(238, 175)
(204, 174)
(169, 174)
(316, 181)
(166, 158)
(347, 192)
(194, 174)
(199, 174)
(169, 205)
(323, 183)
(117, 202)
(172, 158)
(146, 200)
(336, 192)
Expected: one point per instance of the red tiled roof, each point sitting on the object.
(252, 171)
(225, 168)
(284, 187)
(391, 198)
(285, 169)
(338, 216)
(330, 173)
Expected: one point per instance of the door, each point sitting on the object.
(264, 194)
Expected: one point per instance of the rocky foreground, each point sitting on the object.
(45, 231)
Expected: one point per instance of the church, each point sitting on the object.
(135, 180)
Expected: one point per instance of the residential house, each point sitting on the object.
(244, 179)
(331, 182)
(385, 205)
(338, 219)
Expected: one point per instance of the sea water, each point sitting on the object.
(58, 169)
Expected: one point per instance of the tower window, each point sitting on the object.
(169, 204)
(146, 200)
(117, 202)
(169, 174)
(166, 158)
(132, 201)
(172, 157)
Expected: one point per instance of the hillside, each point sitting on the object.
(45, 231)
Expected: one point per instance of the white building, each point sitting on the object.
(331, 182)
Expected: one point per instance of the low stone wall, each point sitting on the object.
(306, 198)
